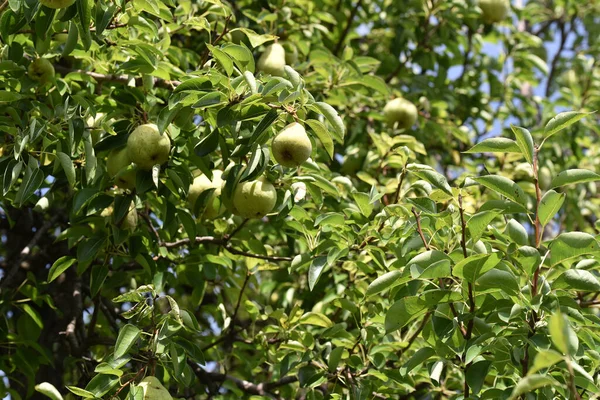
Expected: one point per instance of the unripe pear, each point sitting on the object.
(57, 3)
(41, 70)
(214, 207)
(154, 390)
(544, 177)
(131, 219)
(272, 60)
(116, 161)
(494, 10)
(400, 111)
(291, 54)
(254, 199)
(147, 147)
(291, 147)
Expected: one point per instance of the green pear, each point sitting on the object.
(116, 161)
(131, 219)
(545, 177)
(494, 10)
(154, 390)
(254, 199)
(272, 60)
(147, 147)
(57, 3)
(400, 111)
(214, 207)
(291, 54)
(41, 70)
(291, 147)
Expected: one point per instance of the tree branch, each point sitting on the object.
(260, 389)
(351, 17)
(224, 243)
(123, 79)
(8, 278)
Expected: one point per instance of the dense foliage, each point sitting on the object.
(442, 246)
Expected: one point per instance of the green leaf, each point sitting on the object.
(88, 248)
(126, 339)
(8, 97)
(334, 358)
(503, 186)
(525, 142)
(254, 38)
(316, 268)
(35, 316)
(472, 267)
(48, 390)
(570, 245)
(435, 178)
(318, 319)
(332, 116)
(495, 145)
(363, 202)
(32, 180)
(222, 58)
(545, 359)
(385, 281)
(562, 121)
(98, 276)
(577, 279)
(573, 176)
(323, 134)
(549, 205)
(102, 384)
(531, 383)
(81, 392)
(417, 359)
(60, 266)
(499, 279)
(476, 374)
(562, 335)
(405, 310)
(479, 222)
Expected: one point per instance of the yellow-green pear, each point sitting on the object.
(400, 111)
(214, 207)
(254, 199)
(41, 70)
(147, 147)
(116, 161)
(154, 390)
(131, 219)
(494, 10)
(291, 147)
(272, 60)
(57, 3)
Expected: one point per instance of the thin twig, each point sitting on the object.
(225, 245)
(214, 42)
(419, 229)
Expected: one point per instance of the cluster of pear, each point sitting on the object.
(291, 147)
(255, 198)
(146, 147)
